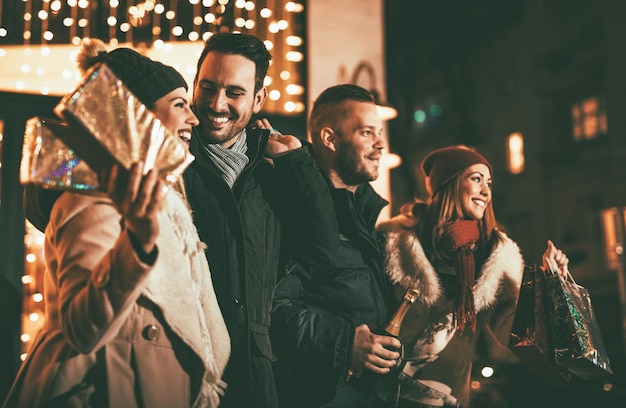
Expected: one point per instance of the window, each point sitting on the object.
(589, 119)
(515, 153)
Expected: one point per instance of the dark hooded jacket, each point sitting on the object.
(317, 307)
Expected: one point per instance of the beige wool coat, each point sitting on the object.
(119, 332)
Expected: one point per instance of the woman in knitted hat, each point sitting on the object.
(468, 273)
(132, 319)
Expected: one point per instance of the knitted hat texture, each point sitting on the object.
(148, 80)
(443, 165)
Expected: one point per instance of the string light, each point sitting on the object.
(41, 44)
(146, 25)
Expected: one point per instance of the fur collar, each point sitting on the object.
(407, 265)
(180, 284)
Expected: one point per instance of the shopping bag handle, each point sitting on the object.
(553, 268)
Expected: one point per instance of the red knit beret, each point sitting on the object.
(442, 165)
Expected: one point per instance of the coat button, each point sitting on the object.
(238, 303)
(151, 332)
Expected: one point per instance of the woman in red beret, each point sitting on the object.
(468, 273)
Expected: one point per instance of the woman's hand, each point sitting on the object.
(554, 259)
(139, 199)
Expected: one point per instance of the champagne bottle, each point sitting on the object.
(366, 379)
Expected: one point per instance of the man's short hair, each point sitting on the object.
(333, 96)
(245, 45)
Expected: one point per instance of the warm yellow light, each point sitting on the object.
(293, 89)
(274, 95)
(294, 7)
(33, 317)
(294, 40)
(515, 153)
(26, 279)
(25, 337)
(265, 13)
(391, 160)
(294, 56)
(387, 112)
(290, 106)
(37, 297)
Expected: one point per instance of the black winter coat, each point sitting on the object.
(242, 229)
(317, 308)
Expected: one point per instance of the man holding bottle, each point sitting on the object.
(324, 316)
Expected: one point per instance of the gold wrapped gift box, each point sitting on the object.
(47, 161)
(104, 124)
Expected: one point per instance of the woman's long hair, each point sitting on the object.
(444, 208)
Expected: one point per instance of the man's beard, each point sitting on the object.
(350, 168)
(210, 135)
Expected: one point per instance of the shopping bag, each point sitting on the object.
(576, 338)
(530, 338)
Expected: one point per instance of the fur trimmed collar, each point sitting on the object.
(407, 265)
(188, 300)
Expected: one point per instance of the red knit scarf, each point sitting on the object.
(458, 239)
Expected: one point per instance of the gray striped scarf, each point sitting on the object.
(230, 162)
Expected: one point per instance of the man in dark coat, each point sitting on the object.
(323, 314)
(251, 195)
